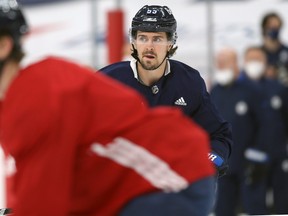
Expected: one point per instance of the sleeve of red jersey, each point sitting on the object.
(42, 174)
(27, 112)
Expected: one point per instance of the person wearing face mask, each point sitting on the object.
(238, 103)
(276, 52)
(267, 164)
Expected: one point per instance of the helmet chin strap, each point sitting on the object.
(162, 61)
(134, 54)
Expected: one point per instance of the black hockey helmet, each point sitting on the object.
(13, 24)
(12, 20)
(154, 18)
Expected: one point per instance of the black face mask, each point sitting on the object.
(273, 33)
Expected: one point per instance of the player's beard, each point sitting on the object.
(148, 64)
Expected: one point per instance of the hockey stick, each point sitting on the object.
(5, 211)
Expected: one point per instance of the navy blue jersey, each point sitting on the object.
(274, 96)
(181, 86)
(279, 60)
(240, 104)
(279, 57)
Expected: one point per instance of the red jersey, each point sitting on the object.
(86, 145)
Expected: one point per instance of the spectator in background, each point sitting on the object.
(267, 163)
(276, 52)
(238, 102)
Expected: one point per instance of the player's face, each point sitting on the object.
(152, 48)
(273, 23)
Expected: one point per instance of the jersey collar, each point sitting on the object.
(133, 65)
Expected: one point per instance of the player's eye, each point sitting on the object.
(142, 39)
(157, 40)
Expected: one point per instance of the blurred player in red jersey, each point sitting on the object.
(86, 145)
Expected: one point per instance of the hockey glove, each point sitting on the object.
(257, 165)
(218, 161)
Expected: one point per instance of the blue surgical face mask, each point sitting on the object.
(273, 33)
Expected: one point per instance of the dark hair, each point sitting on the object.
(266, 19)
(171, 37)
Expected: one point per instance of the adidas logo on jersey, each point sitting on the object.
(181, 102)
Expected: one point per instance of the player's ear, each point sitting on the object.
(133, 45)
(6, 46)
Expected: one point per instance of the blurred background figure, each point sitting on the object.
(267, 163)
(275, 50)
(238, 103)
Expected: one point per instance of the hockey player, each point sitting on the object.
(168, 82)
(79, 149)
